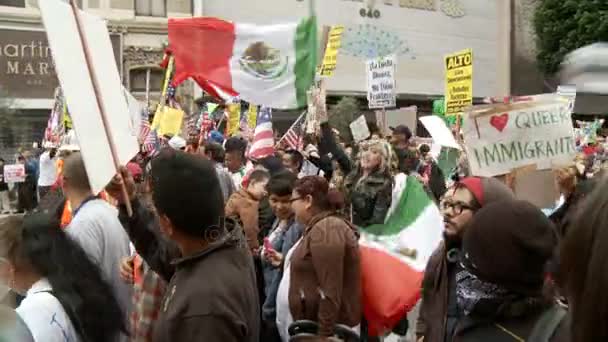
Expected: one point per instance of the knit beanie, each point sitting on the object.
(487, 190)
(508, 243)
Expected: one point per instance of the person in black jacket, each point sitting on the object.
(212, 293)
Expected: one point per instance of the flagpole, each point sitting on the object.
(100, 104)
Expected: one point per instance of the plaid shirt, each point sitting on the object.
(148, 292)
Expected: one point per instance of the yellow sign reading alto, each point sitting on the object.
(334, 40)
(458, 81)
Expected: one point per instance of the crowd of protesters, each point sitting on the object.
(220, 247)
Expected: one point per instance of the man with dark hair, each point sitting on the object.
(212, 293)
(215, 153)
(293, 161)
(95, 226)
(439, 311)
(284, 234)
(235, 159)
(401, 136)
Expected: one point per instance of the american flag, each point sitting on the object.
(263, 139)
(293, 136)
(145, 128)
(151, 144)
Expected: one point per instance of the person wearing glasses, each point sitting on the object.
(439, 311)
(322, 273)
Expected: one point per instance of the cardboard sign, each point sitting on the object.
(14, 173)
(381, 87)
(393, 118)
(440, 132)
(458, 81)
(334, 40)
(502, 137)
(359, 129)
(82, 100)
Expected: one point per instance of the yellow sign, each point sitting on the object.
(234, 118)
(334, 40)
(458, 81)
(252, 115)
(168, 121)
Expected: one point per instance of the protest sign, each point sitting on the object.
(14, 173)
(569, 92)
(458, 81)
(381, 87)
(252, 116)
(135, 110)
(334, 41)
(502, 137)
(440, 132)
(359, 129)
(392, 118)
(87, 71)
(168, 120)
(234, 117)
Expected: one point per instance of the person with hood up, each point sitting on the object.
(500, 286)
(439, 311)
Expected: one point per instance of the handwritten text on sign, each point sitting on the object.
(381, 92)
(540, 135)
(14, 173)
(458, 81)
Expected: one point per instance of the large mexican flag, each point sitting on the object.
(272, 65)
(394, 254)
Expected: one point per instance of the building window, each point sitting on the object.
(13, 3)
(137, 79)
(151, 8)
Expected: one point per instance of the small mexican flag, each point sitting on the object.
(394, 255)
(271, 65)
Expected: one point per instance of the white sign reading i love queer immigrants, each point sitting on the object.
(540, 134)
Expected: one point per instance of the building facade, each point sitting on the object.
(138, 31)
(419, 32)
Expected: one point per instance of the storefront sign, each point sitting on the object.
(26, 64)
(458, 82)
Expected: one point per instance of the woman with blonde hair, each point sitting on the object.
(369, 184)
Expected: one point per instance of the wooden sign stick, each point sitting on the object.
(102, 110)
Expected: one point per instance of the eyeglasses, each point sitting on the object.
(457, 207)
(291, 200)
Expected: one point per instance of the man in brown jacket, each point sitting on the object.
(438, 311)
(211, 294)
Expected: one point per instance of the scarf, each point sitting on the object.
(482, 298)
